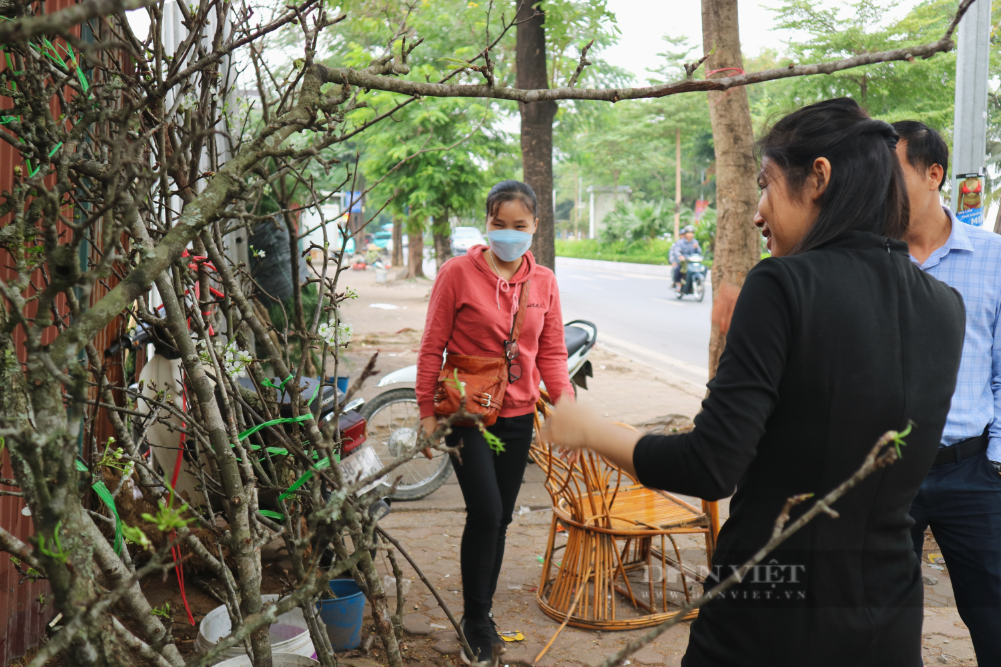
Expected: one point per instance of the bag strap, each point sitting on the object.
(522, 306)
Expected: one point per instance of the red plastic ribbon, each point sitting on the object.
(175, 550)
(724, 69)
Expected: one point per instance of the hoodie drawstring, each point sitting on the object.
(505, 286)
(502, 286)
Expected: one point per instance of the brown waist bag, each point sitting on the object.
(483, 379)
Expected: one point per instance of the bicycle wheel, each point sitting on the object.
(393, 421)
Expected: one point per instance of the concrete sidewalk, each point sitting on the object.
(433, 538)
(431, 529)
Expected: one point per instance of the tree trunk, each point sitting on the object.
(415, 255)
(737, 244)
(537, 128)
(442, 234)
(397, 259)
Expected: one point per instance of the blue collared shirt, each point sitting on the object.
(970, 262)
(683, 248)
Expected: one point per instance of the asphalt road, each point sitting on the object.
(639, 316)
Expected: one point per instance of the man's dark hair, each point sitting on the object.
(506, 191)
(866, 191)
(925, 146)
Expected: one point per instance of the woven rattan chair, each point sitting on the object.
(615, 526)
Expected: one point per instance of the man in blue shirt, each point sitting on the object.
(684, 247)
(961, 497)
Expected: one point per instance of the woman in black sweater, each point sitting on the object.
(834, 340)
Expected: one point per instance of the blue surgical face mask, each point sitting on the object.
(509, 244)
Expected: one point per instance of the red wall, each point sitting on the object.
(22, 617)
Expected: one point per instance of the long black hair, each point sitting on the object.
(506, 191)
(866, 191)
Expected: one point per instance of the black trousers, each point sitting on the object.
(962, 504)
(490, 483)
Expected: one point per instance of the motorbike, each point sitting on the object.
(393, 418)
(693, 278)
(166, 446)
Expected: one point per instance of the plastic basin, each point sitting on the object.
(278, 660)
(343, 615)
(289, 633)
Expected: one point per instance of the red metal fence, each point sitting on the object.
(24, 609)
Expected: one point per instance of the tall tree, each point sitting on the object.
(433, 182)
(537, 127)
(738, 246)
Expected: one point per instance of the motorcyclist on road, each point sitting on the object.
(684, 248)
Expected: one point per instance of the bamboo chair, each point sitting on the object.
(614, 526)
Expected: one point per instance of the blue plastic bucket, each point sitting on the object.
(343, 615)
(342, 383)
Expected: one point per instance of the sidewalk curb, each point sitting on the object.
(661, 270)
(658, 270)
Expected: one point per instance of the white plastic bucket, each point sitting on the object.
(278, 660)
(285, 634)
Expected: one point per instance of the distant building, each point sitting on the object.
(602, 202)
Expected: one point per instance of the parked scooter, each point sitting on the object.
(693, 278)
(394, 419)
(166, 445)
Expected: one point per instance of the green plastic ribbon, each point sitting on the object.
(279, 387)
(274, 422)
(105, 495)
(308, 475)
(271, 515)
(109, 500)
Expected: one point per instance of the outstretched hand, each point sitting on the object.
(573, 428)
(568, 425)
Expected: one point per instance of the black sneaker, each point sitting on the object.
(495, 638)
(479, 637)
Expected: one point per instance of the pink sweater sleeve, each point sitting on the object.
(552, 356)
(437, 332)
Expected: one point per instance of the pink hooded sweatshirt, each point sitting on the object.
(471, 312)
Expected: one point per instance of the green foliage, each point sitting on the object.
(112, 458)
(635, 143)
(136, 536)
(57, 554)
(898, 438)
(636, 220)
(439, 185)
(647, 251)
(495, 443)
(163, 611)
(168, 518)
(922, 90)
(444, 146)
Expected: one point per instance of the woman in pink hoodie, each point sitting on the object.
(473, 306)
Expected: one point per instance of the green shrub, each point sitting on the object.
(638, 220)
(647, 251)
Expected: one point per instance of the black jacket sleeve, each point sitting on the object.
(708, 461)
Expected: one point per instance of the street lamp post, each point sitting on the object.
(969, 145)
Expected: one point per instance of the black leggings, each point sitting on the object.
(490, 483)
